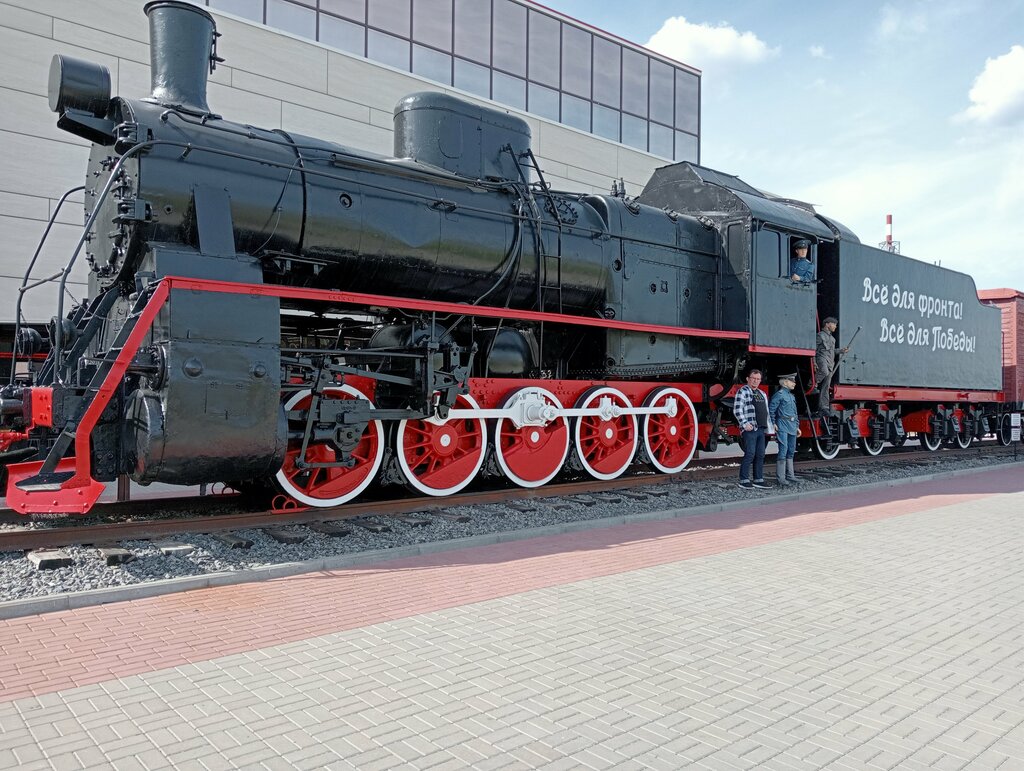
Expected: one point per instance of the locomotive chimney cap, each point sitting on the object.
(183, 53)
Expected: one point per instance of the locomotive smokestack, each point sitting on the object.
(182, 54)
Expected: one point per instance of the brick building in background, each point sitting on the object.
(1011, 303)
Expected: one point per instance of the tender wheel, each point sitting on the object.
(1004, 433)
(826, 448)
(962, 439)
(441, 458)
(530, 456)
(930, 442)
(605, 448)
(870, 447)
(669, 442)
(330, 486)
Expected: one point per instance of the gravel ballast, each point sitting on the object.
(214, 557)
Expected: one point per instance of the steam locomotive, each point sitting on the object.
(269, 309)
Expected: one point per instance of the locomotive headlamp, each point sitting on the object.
(78, 85)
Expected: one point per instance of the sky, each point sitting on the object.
(911, 108)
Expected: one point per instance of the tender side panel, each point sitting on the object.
(921, 326)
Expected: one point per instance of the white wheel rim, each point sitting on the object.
(589, 399)
(820, 444)
(374, 425)
(870, 448)
(930, 442)
(407, 471)
(685, 404)
(499, 452)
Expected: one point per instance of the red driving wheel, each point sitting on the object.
(330, 486)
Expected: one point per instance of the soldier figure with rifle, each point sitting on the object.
(826, 363)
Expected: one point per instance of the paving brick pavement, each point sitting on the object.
(881, 630)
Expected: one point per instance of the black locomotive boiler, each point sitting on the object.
(273, 309)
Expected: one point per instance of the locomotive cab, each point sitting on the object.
(758, 233)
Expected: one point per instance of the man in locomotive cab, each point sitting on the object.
(801, 268)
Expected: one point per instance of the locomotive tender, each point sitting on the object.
(273, 309)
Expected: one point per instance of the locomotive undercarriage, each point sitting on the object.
(450, 398)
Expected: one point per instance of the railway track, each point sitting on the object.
(163, 518)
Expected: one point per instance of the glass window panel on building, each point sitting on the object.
(510, 37)
(662, 99)
(432, 64)
(607, 68)
(350, 9)
(660, 142)
(687, 101)
(291, 18)
(687, 147)
(606, 122)
(432, 23)
(545, 49)
(576, 61)
(634, 83)
(343, 34)
(576, 112)
(247, 9)
(473, 30)
(508, 90)
(388, 49)
(543, 102)
(390, 15)
(634, 131)
(472, 78)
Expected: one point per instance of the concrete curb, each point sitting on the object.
(38, 605)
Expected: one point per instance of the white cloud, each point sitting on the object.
(704, 44)
(902, 23)
(818, 52)
(997, 96)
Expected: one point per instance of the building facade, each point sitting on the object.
(599, 108)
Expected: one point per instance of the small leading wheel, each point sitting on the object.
(605, 447)
(441, 457)
(826, 447)
(331, 485)
(670, 441)
(530, 456)
(929, 441)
